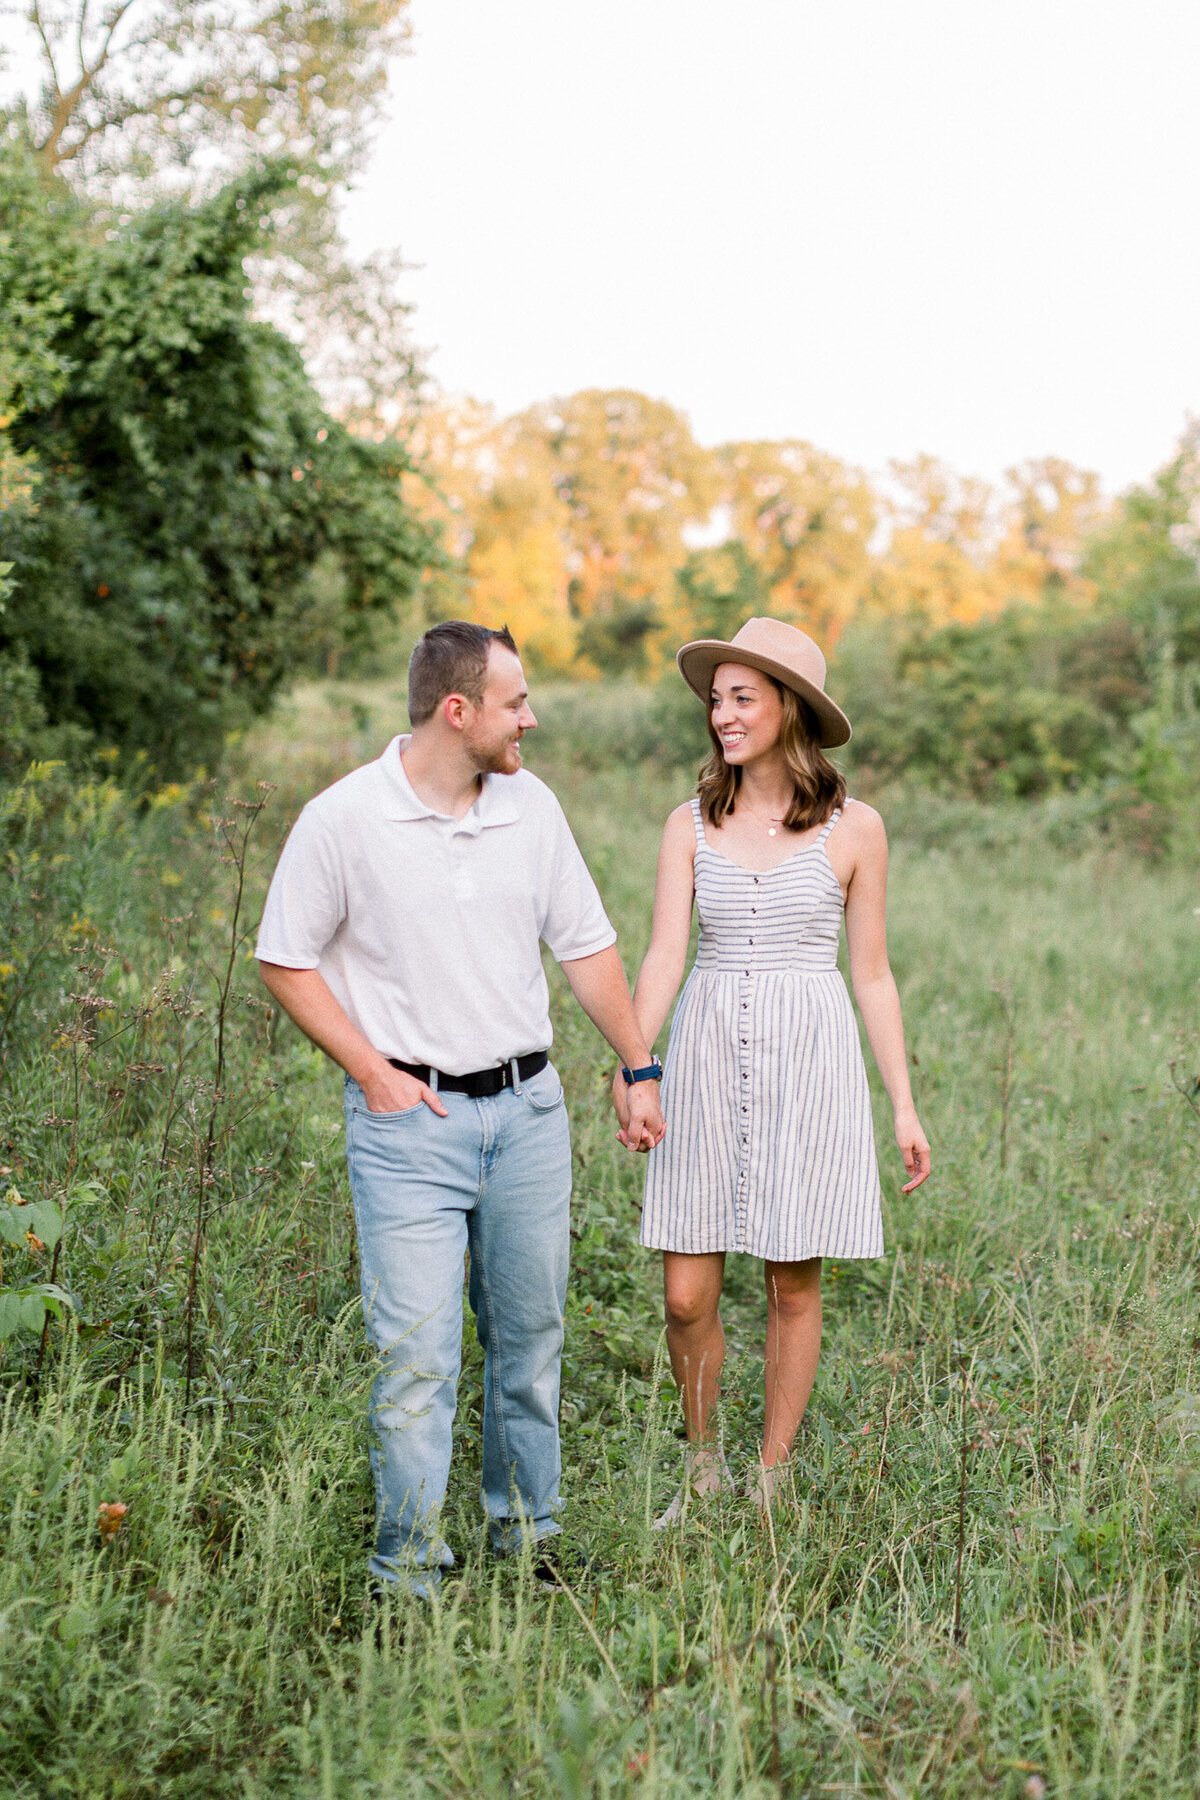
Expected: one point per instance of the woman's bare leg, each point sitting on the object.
(793, 1347)
(695, 1338)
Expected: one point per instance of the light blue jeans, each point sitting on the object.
(495, 1178)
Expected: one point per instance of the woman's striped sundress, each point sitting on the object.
(769, 1147)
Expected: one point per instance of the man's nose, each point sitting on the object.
(528, 721)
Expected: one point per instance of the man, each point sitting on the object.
(401, 933)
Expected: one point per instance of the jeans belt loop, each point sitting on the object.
(433, 1080)
(516, 1074)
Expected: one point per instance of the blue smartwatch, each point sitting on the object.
(652, 1073)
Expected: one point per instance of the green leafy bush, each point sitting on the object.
(182, 479)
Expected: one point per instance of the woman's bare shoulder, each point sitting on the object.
(679, 832)
(862, 825)
(681, 818)
(861, 815)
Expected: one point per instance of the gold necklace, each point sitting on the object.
(771, 828)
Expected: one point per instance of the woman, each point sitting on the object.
(769, 1147)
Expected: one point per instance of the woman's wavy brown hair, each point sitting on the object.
(817, 787)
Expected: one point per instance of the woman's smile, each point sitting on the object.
(746, 712)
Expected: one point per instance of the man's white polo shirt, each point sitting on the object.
(427, 928)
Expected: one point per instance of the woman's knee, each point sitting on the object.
(794, 1289)
(688, 1304)
(691, 1289)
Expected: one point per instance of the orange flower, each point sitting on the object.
(111, 1518)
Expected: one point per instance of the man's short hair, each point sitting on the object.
(451, 658)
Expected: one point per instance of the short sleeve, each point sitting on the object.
(575, 922)
(306, 901)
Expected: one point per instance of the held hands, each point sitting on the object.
(914, 1148)
(639, 1112)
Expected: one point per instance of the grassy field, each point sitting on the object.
(986, 1578)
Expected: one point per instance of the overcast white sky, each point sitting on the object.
(961, 226)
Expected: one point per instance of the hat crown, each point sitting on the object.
(785, 644)
(784, 652)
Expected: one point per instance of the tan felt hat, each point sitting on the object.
(783, 651)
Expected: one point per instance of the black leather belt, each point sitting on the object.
(480, 1083)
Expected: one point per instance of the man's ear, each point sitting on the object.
(454, 710)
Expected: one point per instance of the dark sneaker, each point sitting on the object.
(557, 1565)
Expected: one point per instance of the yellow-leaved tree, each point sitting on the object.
(805, 521)
(1053, 510)
(960, 551)
(632, 480)
(938, 561)
(491, 486)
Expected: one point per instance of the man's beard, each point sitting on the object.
(494, 761)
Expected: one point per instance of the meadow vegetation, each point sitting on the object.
(984, 1578)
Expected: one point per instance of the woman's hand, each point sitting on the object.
(643, 1133)
(914, 1148)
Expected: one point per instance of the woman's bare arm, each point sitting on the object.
(864, 844)
(663, 964)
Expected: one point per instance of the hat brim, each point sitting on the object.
(698, 662)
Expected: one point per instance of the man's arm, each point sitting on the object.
(598, 983)
(310, 1003)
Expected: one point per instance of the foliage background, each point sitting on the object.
(215, 477)
(1010, 1392)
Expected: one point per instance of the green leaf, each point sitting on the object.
(20, 1311)
(87, 1191)
(34, 1308)
(24, 1308)
(45, 1220)
(12, 1227)
(41, 1217)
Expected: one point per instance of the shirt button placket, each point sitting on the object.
(744, 1133)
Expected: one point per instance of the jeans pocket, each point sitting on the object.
(544, 1091)
(388, 1118)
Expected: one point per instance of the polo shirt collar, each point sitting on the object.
(496, 805)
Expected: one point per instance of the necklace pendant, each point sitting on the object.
(770, 831)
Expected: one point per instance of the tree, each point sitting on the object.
(960, 551)
(1055, 507)
(187, 481)
(1145, 564)
(721, 587)
(488, 483)
(172, 96)
(128, 85)
(805, 521)
(632, 481)
(938, 561)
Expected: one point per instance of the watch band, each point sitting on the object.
(651, 1073)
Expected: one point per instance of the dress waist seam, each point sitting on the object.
(739, 969)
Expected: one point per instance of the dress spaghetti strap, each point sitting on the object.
(698, 821)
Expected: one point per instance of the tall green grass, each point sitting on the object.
(985, 1578)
